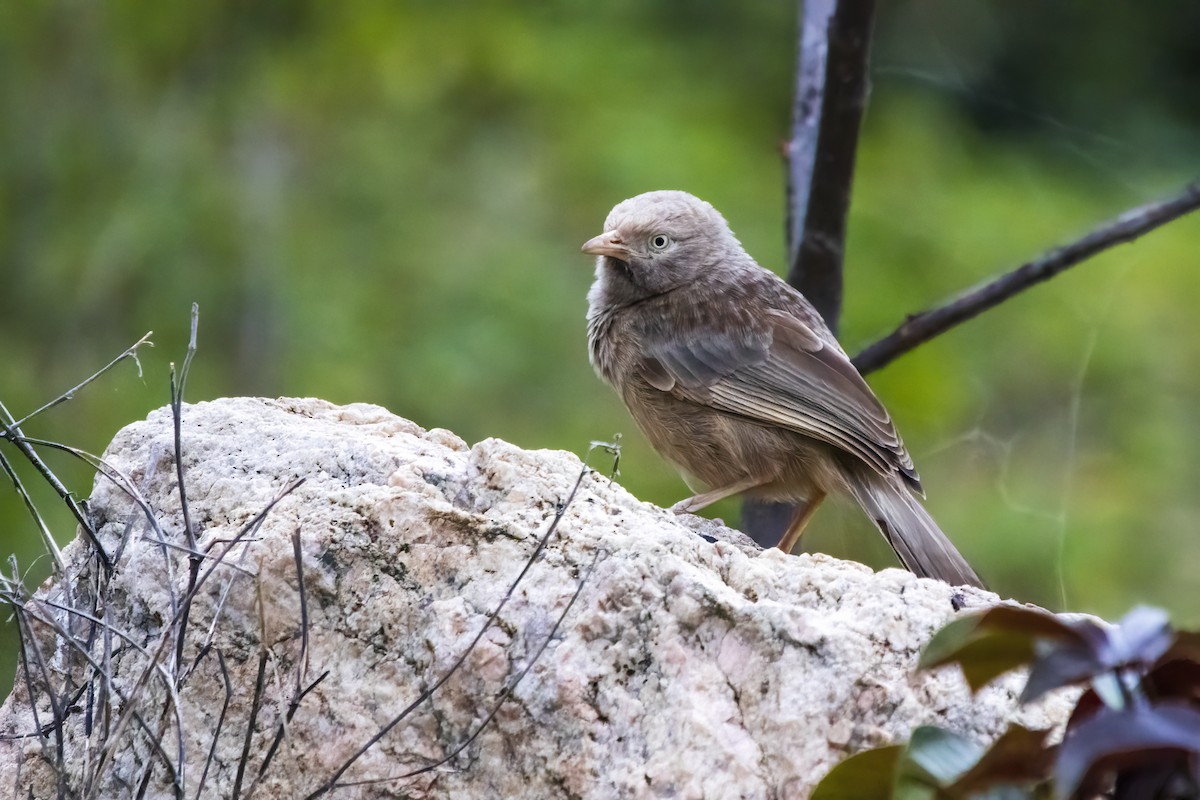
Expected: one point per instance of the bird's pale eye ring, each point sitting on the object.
(659, 242)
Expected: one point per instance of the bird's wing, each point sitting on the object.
(781, 373)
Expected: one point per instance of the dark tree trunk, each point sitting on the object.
(830, 99)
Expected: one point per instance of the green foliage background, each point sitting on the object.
(384, 201)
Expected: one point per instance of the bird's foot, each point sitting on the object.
(684, 506)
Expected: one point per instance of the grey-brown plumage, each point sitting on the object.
(736, 380)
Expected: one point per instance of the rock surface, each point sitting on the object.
(688, 666)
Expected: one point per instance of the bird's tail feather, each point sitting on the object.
(912, 533)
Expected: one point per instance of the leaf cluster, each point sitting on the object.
(1134, 732)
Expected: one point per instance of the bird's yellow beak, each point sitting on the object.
(607, 244)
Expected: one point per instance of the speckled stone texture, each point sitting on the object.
(689, 666)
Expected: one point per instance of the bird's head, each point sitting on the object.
(658, 241)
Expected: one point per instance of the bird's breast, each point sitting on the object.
(603, 344)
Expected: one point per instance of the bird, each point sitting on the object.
(735, 379)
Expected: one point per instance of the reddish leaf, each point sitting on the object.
(992, 642)
(1140, 638)
(1177, 672)
(1019, 756)
(1088, 705)
(1185, 646)
(1168, 782)
(1137, 641)
(1177, 680)
(1112, 740)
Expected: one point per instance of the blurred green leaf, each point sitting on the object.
(869, 775)
(937, 757)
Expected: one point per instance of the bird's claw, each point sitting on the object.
(682, 507)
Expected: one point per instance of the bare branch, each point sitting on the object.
(920, 328)
(13, 434)
(212, 750)
(281, 731)
(166, 637)
(255, 706)
(301, 666)
(510, 687)
(128, 699)
(119, 479)
(302, 661)
(194, 560)
(130, 352)
(24, 642)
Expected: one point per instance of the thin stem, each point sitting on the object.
(130, 352)
(190, 535)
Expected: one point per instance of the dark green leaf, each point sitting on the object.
(914, 790)
(869, 775)
(937, 756)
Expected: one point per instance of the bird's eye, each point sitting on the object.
(659, 241)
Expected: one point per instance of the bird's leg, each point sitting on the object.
(804, 512)
(694, 504)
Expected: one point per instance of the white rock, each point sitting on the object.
(690, 666)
